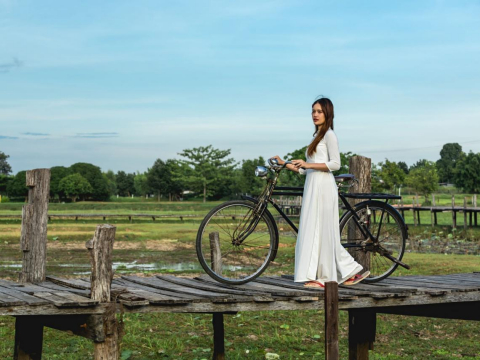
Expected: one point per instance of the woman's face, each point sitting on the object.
(318, 116)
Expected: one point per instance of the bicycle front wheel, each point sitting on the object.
(387, 226)
(233, 244)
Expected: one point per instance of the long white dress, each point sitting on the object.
(318, 253)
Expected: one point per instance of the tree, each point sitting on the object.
(245, 180)
(467, 172)
(419, 163)
(423, 179)
(57, 173)
(157, 177)
(4, 180)
(74, 186)
(5, 168)
(125, 183)
(291, 178)
(449, 156)
(16, 187)
(93, 174)
(141, 184)
(403, 165)
(212, 170)
(109, 177)
(389, 175)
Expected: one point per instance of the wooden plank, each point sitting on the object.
(81, 300)
(8, 300)
(272, 289)
(174, 295)
(57, 300)
(28, 299)
(165, 285)
(257, 296)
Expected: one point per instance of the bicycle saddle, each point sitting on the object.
(344, 177)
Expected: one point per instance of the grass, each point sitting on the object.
(250, 335)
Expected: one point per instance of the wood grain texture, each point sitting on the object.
(33, 238)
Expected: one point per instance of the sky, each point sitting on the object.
(122, 83)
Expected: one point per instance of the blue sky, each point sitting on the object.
(122, 83)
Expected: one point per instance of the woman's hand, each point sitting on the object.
(300, 164)
(280, 161)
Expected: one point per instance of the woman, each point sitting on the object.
(319, 256)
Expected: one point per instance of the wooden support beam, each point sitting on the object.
(100, 249)
(87, 326)
(28, 338)
(465, 213)
(331, 320)
(217, 320)
(33, 239)
(361, 168)
(218, 337)
(362, 326)
(454, 214)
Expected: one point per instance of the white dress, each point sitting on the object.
(318, 253)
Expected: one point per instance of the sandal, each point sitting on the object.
(357, 278)
(314, 284)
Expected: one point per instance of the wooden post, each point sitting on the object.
(362, 326)
(361, 168)
(100, 249)
(465, 213)
(215, 253)
(433, 200)
(28, 338)
(454, 214)
(217, 320)
(414, 215)
(331, 320)
(33, 239)
(432, 220)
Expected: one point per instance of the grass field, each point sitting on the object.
(168, 247)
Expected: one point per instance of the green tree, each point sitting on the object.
(157, 178)
(213, 171)
(177, 173)
(5, 168)
(245, 180)
(403, 165)
(467, 172)
(57, 173)
(93, 174)
(125, 183)
(4, 180)
(74, 186)
(16, 187)
(109, 177)
(389, 175)
(141, 184)
(449, 156)
(423, 179)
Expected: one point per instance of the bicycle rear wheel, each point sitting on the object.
(384, 223)
(233, 244)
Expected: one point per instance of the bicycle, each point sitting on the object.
(238, 239)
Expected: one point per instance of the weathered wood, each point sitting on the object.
(100, 249)
(28, 338)
(331, 320)
(361, 168)
(465, 213)
(33, 239)
(87, 326)
(454, 214)
(361, 333)
(215, 253)
(218, 337)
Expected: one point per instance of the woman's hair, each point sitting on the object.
(327, 108)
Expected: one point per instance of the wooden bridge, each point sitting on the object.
(66, 304)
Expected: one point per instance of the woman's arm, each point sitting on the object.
(289, 166)
(333, 164)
